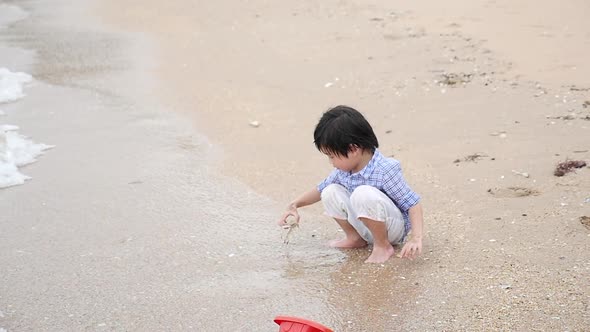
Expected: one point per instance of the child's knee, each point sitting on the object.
(366, 201)
(364, 194)
(332, 192)
(336, 201)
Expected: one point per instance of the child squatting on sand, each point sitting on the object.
(366, 193)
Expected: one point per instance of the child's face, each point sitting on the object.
(344, 163)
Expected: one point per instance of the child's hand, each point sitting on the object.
(412, 248)
(291, 212)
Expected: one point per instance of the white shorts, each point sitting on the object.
(364, 202)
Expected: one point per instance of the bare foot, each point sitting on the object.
(348, 243)
(380, 254)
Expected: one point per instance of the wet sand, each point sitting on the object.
(438, 84)
(124, 225)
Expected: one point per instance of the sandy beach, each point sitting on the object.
(182, 129)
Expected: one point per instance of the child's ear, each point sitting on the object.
(353, 148)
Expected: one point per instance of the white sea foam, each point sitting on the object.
(10, 14)
(15, 151)
(11, 85)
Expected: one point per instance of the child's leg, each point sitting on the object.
(381, 217)
(336, 200)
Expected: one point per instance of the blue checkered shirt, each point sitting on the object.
(384, 174)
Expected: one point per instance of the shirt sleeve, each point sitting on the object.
(395, 186)
(328, 181)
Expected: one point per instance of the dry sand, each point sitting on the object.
(439, 82)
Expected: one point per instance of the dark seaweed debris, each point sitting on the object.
(472, 157)
(568, 166)
(452, 79)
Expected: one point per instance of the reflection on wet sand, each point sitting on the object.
(368, 297)
(358, 296)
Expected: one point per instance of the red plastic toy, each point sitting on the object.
(294, 324)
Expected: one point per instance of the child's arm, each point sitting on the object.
(413, 246)
(308, 198)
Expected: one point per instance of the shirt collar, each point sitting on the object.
(368, 169)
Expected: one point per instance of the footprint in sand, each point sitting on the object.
(513, 192)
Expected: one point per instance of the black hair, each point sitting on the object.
(342, 127)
